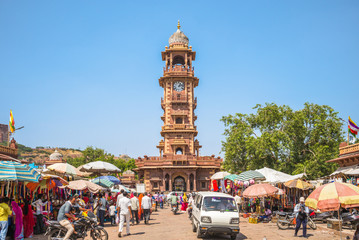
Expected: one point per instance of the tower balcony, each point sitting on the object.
(178, 70)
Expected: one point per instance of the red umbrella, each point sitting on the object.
(260, 190)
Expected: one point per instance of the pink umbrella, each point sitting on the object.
(260, 190)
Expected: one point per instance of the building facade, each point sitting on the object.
(348, 155)
(178, 166)
(4, 137)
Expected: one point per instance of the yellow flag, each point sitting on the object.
(12, 123)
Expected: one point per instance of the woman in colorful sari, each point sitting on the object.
(28, 219)
(17, 220)
(184, 202)
(140, 209)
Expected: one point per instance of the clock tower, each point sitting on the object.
(178, 102)
(178, 166)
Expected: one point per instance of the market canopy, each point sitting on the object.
(15, 171)
(251, 174)
(47, 181)
(349, 170)
(100, 167)
(274, 176)
(84, 185)
(219, 175)
(260, 190)
(332, 196)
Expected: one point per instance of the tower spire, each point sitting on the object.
(178, 25)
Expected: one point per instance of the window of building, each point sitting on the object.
(155, 185)
(203, 185)
(179, 120)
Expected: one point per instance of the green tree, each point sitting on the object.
(281, 138)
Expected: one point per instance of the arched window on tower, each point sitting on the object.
(178, 60)
(179, 151)
(167, 182)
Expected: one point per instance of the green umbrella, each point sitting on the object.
(103, 182)
(251, 174)
(231, 177)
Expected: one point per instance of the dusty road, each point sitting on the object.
(165, 225)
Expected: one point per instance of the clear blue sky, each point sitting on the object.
(82, 73)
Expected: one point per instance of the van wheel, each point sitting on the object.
(194, 229)
(199, 234)
(233, 237)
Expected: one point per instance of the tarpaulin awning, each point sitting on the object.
(232, 177)
(349, 170)
(103, 182)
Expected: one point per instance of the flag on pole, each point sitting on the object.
(352, 127)
(12, 122)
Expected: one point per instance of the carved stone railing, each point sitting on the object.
(349, 149)
(8, 151)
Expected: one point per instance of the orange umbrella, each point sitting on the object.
(260, 190)
(332, 196)
(297, 183)
(47, 181)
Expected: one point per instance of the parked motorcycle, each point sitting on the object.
(350, 220)
(286, 220)
(89, 223)
(323, 217)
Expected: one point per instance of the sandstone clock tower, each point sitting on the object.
(179, 166)
(178, 102)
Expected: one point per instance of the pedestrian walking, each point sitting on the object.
(161, 199)
(146, 206)
(124, 211)
(112, 213)
(39, 204)
(119, 198)
(135, 204)
(102, 211)
(301, 211)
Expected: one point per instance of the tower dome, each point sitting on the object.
(56, 156)
(178, 36)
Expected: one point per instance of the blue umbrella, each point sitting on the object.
(109, 178)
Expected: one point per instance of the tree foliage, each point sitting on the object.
(283, 139)
(91, 154)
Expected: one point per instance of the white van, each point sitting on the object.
(215, 213)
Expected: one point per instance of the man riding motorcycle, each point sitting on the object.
(64, 214)
(174, 201)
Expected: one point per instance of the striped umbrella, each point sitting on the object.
(232, 177)
(331, 196)
(110, 178)
(65, 168)
(14, 171)
(297, 183)
(47, 181)
(103, 182)
(251, 174)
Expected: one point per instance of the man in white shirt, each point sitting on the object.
(146, 205)
(124, 210)
(119, 198)
(38, 204)
(238, 200)
(135, 204)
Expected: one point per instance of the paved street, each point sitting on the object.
(165, 225)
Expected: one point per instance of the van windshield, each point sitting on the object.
(223, 204)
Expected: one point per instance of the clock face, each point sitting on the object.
(178, 86)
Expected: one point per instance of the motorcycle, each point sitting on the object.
(174, 208)
(286, 220)
(323, 217)
(84, 224)
(190, 212)
(350, 220)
